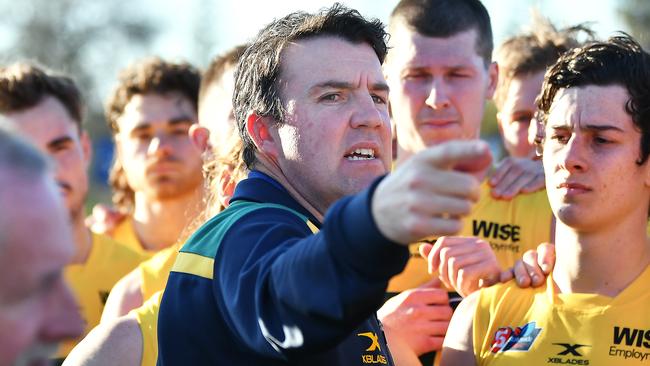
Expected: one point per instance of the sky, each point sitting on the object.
(234, 22)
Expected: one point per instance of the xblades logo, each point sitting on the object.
(570, 349)
(375, 341)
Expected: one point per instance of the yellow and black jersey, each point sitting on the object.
(92, 281)
(514, 326)
(125, 233)
(511, 227)
(147, 317)
(155, 271)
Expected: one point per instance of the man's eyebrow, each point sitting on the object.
(379, 86)
(140, 127)
(62, 140)
(589, 127)
(601, 128)
(333, 84)
(180, 120)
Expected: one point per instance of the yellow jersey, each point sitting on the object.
(91, 282)
(514, 326)
(155, 271)
(147, 317)
(511, 227)
(124, 232)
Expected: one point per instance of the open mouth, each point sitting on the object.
(361, 154)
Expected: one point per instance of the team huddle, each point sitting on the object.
(321, 196)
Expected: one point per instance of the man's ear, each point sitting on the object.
(261, 129)
(493, 78)
(200, 137)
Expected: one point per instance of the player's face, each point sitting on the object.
(590, 153)
(154, 148)
(37, 309)
(336, 136)
(215, 109)
(438, 87)
(49, 126)
(516, 113)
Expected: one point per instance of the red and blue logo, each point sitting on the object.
(515, 339)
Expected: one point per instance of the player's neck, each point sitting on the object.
(603, 261)
(159, 223)
(83, 239)
(268, 167)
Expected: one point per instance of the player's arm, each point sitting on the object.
(415, 321)
(117, 342)
(458, 348)
(467, 264)
(125, 296)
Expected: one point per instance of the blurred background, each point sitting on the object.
(93, 39)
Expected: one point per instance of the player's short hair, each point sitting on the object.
(447, 18)
(529, 53)
(152, 76)
(219, 65)
(256, 78)
(149, 76)
(618, 61)
(24, 85)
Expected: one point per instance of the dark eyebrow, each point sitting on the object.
(590, 127)
(601, 128)
(180, 121)
(333, 84)
(59, 141)
(140, 127)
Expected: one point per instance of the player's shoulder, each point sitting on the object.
(507, 294)
(242, 218)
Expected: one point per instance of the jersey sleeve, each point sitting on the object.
(286, 291)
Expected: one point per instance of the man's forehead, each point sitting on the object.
(158, 109)
(405, 35)
(43, 122)
(590, 103)
(326, 57)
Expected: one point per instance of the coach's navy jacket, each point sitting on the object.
(256, 286)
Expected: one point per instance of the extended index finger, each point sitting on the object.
(466, 156)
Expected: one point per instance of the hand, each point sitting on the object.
(465, 264)
(430, 192)
(534, 267)
(104, 219)
(417, 318)
(517, 175)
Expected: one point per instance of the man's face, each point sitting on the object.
(215, 109)
(438, 87)
(516, 113)
(590, 153)
(154, 148)
(336, 136)
(51, 128)
(37, 309)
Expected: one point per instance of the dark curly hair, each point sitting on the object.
(618, 61)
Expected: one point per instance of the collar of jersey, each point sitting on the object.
(259, 187)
